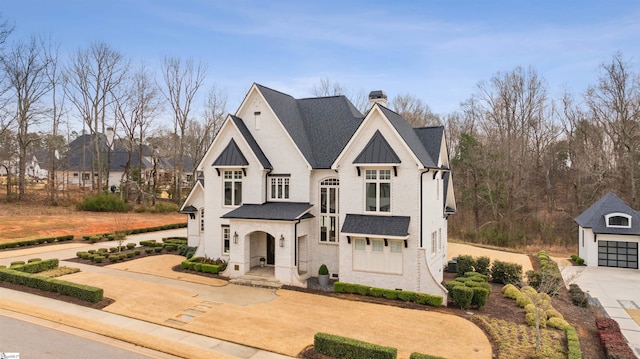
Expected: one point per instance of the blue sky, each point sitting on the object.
(435, 50)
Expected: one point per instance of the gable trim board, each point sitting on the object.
(307, 140)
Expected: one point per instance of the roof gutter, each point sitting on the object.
(421, 204)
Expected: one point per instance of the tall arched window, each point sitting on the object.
(329, 192)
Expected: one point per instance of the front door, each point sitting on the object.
(271, 249)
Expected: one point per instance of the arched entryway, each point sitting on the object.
(262, 253)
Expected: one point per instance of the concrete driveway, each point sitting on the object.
(617, 290)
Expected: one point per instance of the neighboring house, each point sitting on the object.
(306, 182)
(608, 234)
(33, 169)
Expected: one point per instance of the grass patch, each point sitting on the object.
(58, 272)
(515, 341)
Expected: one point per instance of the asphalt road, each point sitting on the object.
(35, 341)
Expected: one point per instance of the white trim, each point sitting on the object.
(617, 214)
(192, 193)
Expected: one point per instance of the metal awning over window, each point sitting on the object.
(275, 211)
(358, 225)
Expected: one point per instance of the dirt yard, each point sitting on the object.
(26, 221)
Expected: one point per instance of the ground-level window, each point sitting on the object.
(232, 188)
(377, 255)
(329, 190)
(226, 239)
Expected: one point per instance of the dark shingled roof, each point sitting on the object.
(431, 138)
(231, 156)
(320, 127)
(377, 150)
(252, 142)
(394, 226)
(189, 209)
(594, 218)
(276, 211)
(409, 136)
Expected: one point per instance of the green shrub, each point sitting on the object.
(509, 286)
(483, 265)
(346, 348)
(170, 247)
(579, 261)
(91, 251)
(407, 296)
(34, 260)
(190, 252)
(36, 267)
(465, 263)
(390, 294)
(130, 254)
(102, 250)
(552, 313)
(83, 292)
(157, 249)
(574, 350)
(505, 273)
(113, 249)
(480, 297)
(122, 256)
(131, 245)
(523, 300)
(578, 298)
(558, 323)
(530, 319)
(323, 270)
(148, 250)
(198, 267)
(114, 258)
(462, 296)
(16, 263)
(363, 289)
(137, 252)
(103, 202)
(98, 259)
(105, 254)
(80, 254)
(210, 268)
(376, 292)
(428, 299)
(450, 284)
(165, 207)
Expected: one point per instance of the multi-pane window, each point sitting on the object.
(329, 210)
(279, 188)
(232, 188)
(377, 255)
(226, 239)
(618, 221)
(378, 190)
(201, 220)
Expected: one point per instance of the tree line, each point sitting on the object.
(524, 163)
(41, 93)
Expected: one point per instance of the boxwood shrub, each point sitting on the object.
(38, 266)
(83, 292)
(407, 296)
(347, 348)
(462, 296)
(505, 272)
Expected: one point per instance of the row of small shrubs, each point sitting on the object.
(498, 271)
(471, 289)
(32, 242)
(204, 265)
(158, 228)
(536, 304)
(394, 294)
(35, 265)
(346, 348)
(548, 279)
(111, 236)
(16, 275)
(159, 207)
(577, 260)
(612, 340)
(578, 297)
(574, 350)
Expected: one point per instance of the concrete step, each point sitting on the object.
(254, 281)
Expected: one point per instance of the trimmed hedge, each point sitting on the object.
(612, 340)
(505, 272)
(38, 266)
(347, 348)
(31, 242)
(574, 350)
(83, 292)
(407, 296)
(578, 298)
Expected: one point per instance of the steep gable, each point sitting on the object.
(319, 127)
(594, 216)
(231, 156)
(409, 136)
(377, 150)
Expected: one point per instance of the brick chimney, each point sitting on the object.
(377, 96)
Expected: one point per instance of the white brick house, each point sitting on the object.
(306, 182)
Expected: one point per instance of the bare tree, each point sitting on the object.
(26, 66)
(200, 135)
(326, 87)
(182, 81)
(135, 111)
(414, 111)
(614, 103)
(94, 74)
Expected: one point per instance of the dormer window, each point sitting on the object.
(618, 220)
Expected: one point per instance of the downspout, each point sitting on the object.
(266, 185)
(295, 242)
(421, 204)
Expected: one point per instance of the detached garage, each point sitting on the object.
(609, 233)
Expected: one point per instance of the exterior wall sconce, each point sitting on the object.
(281, 240)
(235, 237)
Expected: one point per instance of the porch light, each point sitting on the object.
(235, 237)
(281, 240)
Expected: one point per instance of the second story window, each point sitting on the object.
(279, 188)
(232, 188)
(378, 190)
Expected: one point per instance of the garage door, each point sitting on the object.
(618, 254)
